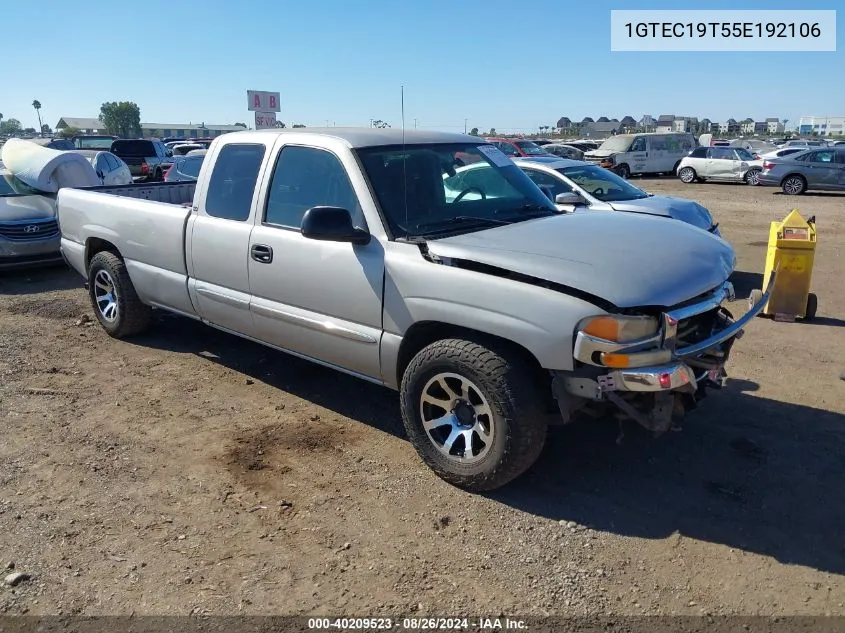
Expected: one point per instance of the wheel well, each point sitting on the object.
(97, 245)
(422, 334)
(785, 178)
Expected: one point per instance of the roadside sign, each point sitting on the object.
(261, 101)
(265, 120)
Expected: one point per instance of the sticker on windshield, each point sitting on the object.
(496, 155)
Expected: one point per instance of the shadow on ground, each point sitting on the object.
(747, 472)
(744, 282)
(37, 280)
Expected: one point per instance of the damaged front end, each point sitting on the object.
(652, 368)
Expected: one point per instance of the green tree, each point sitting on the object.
(37, 105)
(29, 131)
(68, 132)
(473, 131)
(243, 125)
(279, 124)
(492, 131)
(10, 127)
(121, 118)
(380, 124)
(298, 125)
(45, 129)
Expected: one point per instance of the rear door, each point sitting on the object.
(219, 237)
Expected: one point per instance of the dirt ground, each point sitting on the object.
(189, 472)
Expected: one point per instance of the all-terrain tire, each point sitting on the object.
(505, 380)
(128, 315)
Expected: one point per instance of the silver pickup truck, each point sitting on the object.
(493, 315)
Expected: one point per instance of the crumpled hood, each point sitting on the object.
(682, 209)
(626, 259)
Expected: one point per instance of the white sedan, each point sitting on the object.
(111, 170)
(730, 164)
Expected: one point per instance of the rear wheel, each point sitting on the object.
(687, 175)
(752, 177)
(754, 297)
(473, 413)
(113, 297)
(794, 185)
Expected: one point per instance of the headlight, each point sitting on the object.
(619, 329)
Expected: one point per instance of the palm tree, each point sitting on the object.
(37, 105)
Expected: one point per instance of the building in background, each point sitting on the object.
(821, 125)
(152, 130)
(774, 126)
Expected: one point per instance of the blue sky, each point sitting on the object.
(496, 63)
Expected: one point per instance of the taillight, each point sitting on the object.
(167, 173)
(145, 169)
(767, 165)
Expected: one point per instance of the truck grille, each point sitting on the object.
(25, 231)
(697, 328)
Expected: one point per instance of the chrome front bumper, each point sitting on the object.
(658, 363)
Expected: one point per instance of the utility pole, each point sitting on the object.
(415, 124)
(465, 126)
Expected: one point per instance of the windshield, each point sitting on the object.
(616, 144)
(190, 166)
(421, 191)
(744, 154)
(602, 183)
(10, 185)
(530, 148)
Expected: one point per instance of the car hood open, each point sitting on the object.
(625, 259)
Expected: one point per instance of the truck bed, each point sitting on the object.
(146, 223)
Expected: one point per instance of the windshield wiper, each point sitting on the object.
(530, 206)
(462, 219)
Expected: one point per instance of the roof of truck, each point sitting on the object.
(368, 137)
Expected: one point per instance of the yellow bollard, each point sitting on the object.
(791, 251)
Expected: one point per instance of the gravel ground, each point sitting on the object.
(190, 472)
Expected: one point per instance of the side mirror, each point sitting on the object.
(569, 197)
(332, 224)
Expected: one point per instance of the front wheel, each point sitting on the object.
(473, 413)
(113, 297)
(623, 171)
(687, 175)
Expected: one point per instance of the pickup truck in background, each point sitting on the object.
(492, 315)
(147, 160)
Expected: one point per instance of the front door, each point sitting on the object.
(317, 298)
(722, 163)
(219, 238)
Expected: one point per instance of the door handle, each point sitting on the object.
(261, 253)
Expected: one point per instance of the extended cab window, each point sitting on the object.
(307, 177)
(232, 183)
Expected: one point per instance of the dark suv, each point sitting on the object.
(147, 160)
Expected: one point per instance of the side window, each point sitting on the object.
(822, 157)
(658, 143)
(507, 149)
(699, 152)
(102, 165)
(638, 145)
(307, 177)
(542, 179)
(232, 182)
(111, 161)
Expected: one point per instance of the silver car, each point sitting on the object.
(822, 169)
(731, 164)
(574, 184)
(111, 170)
(29, 232)
(184, 169)
(564, 151)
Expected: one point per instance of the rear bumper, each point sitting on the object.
(768, 179)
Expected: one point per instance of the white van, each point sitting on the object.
(649, 153)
